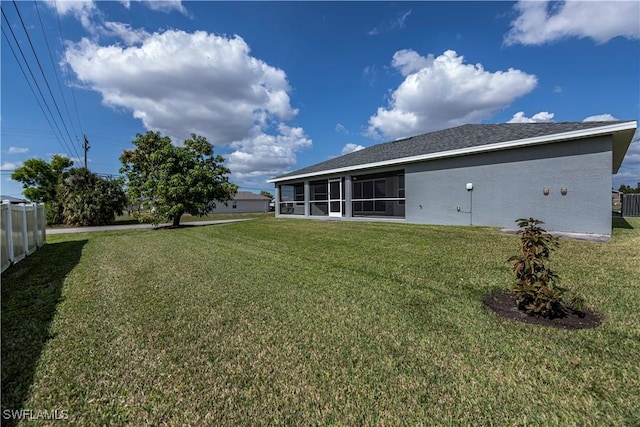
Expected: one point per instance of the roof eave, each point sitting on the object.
(621, 142)
(622, 132)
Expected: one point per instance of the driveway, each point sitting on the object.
(51, 231)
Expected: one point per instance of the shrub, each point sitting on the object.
(536, 290)
(53, 211)
(88, 199)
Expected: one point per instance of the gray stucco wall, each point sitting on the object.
(509, 184)
(242, 206)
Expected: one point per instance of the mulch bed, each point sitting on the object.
(504, 305)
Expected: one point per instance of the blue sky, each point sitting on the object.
(277, 86)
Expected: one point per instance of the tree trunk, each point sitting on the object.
(176, 220)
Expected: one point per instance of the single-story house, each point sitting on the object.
(616, 199)
(12, 199)
(478, 174)
(244, 202)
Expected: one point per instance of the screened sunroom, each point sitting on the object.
(367, 195)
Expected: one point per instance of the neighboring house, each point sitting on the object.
(484, 174)
(244, 202)
(12, 199)
(616, 200)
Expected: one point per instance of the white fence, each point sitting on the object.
(23, 231)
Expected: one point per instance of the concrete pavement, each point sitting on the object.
(51, 231)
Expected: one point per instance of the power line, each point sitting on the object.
(66, 69)
(29, 83)
(61, 141)
(55, 70)
(35, 54)
(45, 133)
(101, 174)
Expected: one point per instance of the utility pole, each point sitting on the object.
(86, 148)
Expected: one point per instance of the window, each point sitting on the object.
(378, 195)
(319, 197)
(234, 205)
(292, 199)
(319, 190)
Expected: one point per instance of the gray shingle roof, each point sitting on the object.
(461, 137)
(12, 199)
(246, 195)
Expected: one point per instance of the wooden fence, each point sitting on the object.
(631, 205)
(23, 231)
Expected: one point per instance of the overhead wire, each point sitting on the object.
(35, 81)
(29, 83)
(24, 27)
(55, 70)
(66, 68)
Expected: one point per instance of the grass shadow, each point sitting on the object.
(31, 290)
(620, 222)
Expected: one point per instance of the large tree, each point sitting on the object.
(89, 199)
(170, 181)
(40, 182)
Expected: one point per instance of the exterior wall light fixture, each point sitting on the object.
(563, 191)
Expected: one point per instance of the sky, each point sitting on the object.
(277, 86)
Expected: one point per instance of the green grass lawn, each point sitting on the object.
(293, 322)
(128, 220)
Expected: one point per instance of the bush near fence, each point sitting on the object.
(23, 230)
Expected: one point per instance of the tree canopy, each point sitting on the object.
(72, 196)
(169, 181)
(39, 178)
(627, 189)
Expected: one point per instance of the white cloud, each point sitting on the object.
(18, 150)
(351, 148)
(445, 92)
(82, 10)
(9, 166)
(409, 61)
(541, 117)
(166, 6)
(123, 31)
(263, 155)
(541, 22)
(401, 20)
(77, 161)
(398, 22)
(600, 118)
(178, 83)
(370, 73)
(341, 128)
(85, 8)
(92, 19)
